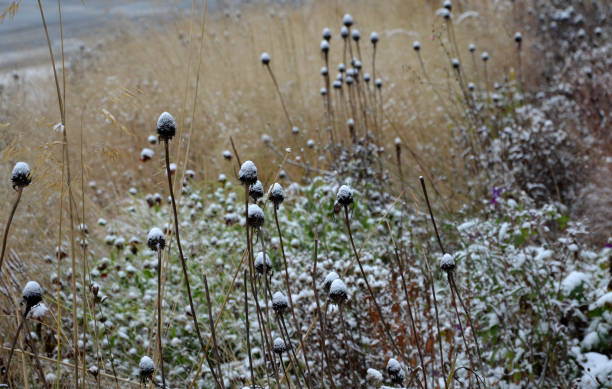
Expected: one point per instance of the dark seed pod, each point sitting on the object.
(447, 263)
(146, 368)
(344, 196)
(338, 293)
(347, 20)
(356, 35)
(166, 126)
(455, 63)
(248, 173)
(344, 32)
(395, 371)
(21, 175)
(256, 190)
(32, 293)
(518, 38)
(280, 303)
(255, 216)
(265, 58)
(324, 46)
(259, 263)
(276, 194)
(416, 45)
(327, 34)
(156, 240)
(374, 38)
(279, 346)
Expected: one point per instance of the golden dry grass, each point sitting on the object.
(115, 97)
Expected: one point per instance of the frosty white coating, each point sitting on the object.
(344, 196)
(156, 240)
(248, 173)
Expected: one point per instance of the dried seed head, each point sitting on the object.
(256, 190)
(311, 143)
(416, 45)
(255, 216)
(295, 130)
(146, 368)
(356, 35)
(32, 293)
(279, 346)
(323, 91)
(248, 173)
(485, 56)
(347, 20)
(146, 154)
(446, 13)
(327, 34)
(395, 371)
(280, 303)
(448, 5)
(367, 77)
(350, 123)
(331, 277)
(152, 139)
(344, 32)
(447, 263)
(324, 71)
(227, 154)
(398, 141)
(166, 126)
(349, 80)
(455, 62)
(598, 31)
(259, 263)
(338, 292)
(266, 139)
(324, 46)
(156, 240)
(282, 174)
(374, 37)
(471, 48)
(471, 86)
(518, 38)
(265, 58)
(341, 68)
(378, 83)
(357, 65)
(276, 194)
(337, 84)
(344, 196)
(21, 175)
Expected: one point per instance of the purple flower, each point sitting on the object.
(496, 194)
(609, 245)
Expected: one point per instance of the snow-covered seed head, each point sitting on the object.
(598, 31)
(338, 293)
(32, 293)
(448, 5)
(323, 92)
(416, 45)
(266, 139)
(344, 32)
(357, 65)
(255, 216)
(447, 263)
(166, 126)
(190, 174)
(327, 34)
(337, 84)
(21, 175)
(265, 58)
(152, 139)
(279, 346)
(356, 35)
(156, 240)
(256, 190)
(378, 83)
(259, 263)
(310, 143)
(227, 154)
(248, 173)
(324, 71)
(455, 62)
(446, 13)
(485, 56)
(349, 80)
(395, 371)
(341, 68)
(347, 20)
(331, 277)
(367, 77)
(276, 194)
(295, 130)
(350, 123)
(280, 303)
(146, 154)
(344, 196)
(471, 48)
(398, 141)
(518, 38)
(146, 368)
(324, 46)
(374, 37)
(471, 86)
(282, 174)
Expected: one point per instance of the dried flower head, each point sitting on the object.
(378, 83)
(347, 20)
(280, 303)
(279, 346)
(471, 48)
(448, 5)
(276, 194)
(259, 263)
(518, 38)
(344, 32)
(331, 277)
(338, 292)
(152, 139)
(367, 77)
(324, 46)
(21, 175)
(295, 130)
(146, 154)
(446, 13)
(323, 91)
(227, 154)
(395, 371)
(327, 34)
(485, 56)
(156, 240)
(32, 294)
(416, 45)
(146, 368)
(344, 196)
(356, 35)
(256, 190)
(324, 71)
(166, 126)
(265, 58)
(374, 37)
(255, 216)
(447, 263)
(248, 173)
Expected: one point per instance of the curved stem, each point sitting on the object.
(159, 317)
(8, 225)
